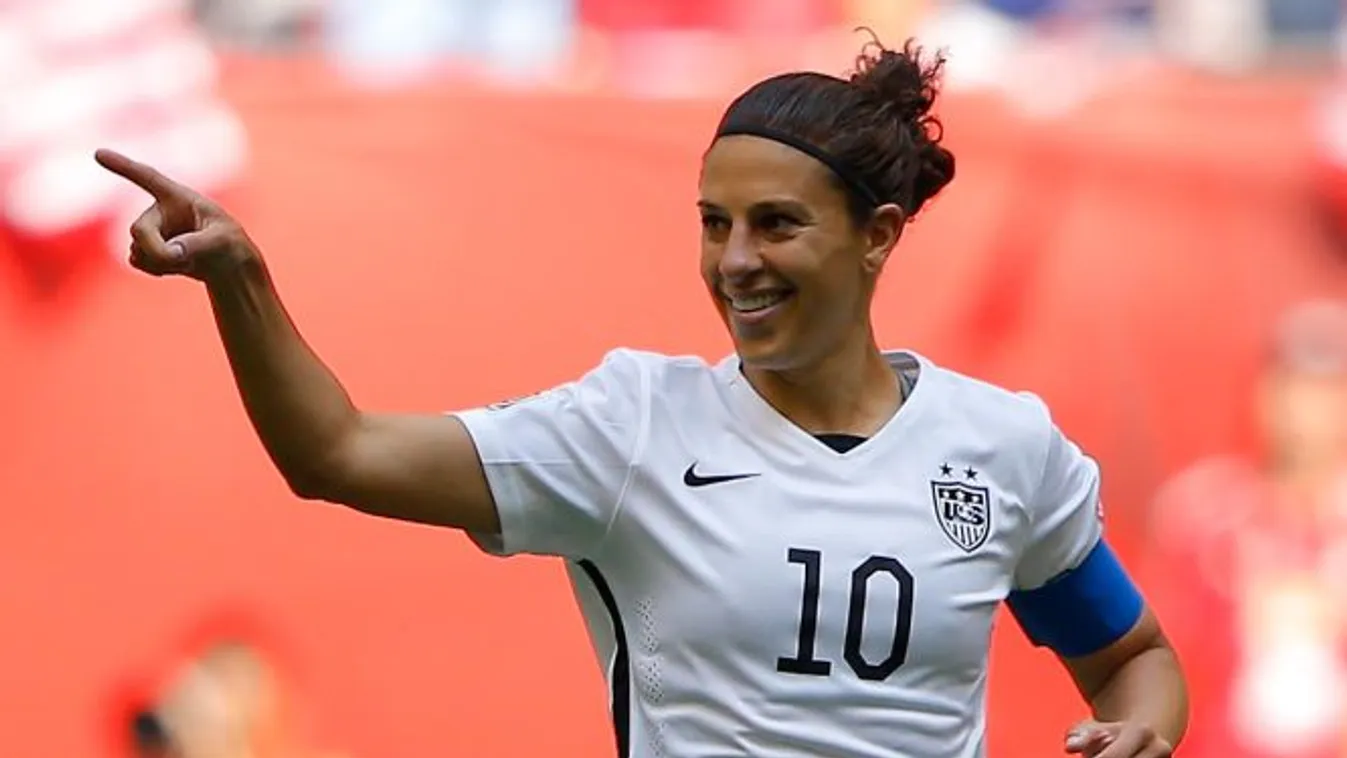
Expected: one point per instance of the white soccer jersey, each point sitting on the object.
(751, 591)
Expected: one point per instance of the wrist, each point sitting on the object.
(237, 267)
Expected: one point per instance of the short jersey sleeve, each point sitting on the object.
(1064, 514)
(558, 462)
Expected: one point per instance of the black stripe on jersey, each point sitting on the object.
(621, 674)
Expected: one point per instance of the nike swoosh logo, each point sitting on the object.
(692, 479)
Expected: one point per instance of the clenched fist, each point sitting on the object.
(183, 232)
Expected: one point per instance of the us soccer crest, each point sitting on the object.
(963, 511)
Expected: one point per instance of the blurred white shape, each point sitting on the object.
(1045, 73)
(62, 23)
(57, 192)
(1220, 35)
(57, 99)
(387, 42)
(1292, 689)
(129, 74)
(1332, 126)
(1055, 77)
(980, 43)
(204, 146)
(396, 41)
(523, 39)
(19, 60)
(175, 65)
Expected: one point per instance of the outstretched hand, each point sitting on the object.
(183, 232)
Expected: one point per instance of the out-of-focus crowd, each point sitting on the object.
(140, 74)
(535, 39)
(1247, 559)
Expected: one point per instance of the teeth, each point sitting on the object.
(750, 303)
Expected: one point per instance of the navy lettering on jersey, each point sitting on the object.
(804, 660)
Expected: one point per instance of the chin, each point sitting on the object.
(765, 354)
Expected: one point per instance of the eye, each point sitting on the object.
(713, 223)
(777, 223)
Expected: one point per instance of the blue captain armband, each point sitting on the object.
(1083, 610)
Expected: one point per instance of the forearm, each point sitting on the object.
(1147, 689)
(295, 403)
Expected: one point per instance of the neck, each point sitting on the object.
(852, 391)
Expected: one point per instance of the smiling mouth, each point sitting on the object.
(757, 302)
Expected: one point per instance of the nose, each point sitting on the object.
(740, 256)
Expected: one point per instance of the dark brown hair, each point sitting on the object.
(875, 127)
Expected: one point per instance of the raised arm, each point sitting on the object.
(414, 468)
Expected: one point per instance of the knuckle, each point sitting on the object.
(143, 229)
(231, 229)
(148, 263)
(1139, 732)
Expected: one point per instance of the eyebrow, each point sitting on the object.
(770, 204)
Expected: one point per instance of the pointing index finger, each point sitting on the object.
(144, 176)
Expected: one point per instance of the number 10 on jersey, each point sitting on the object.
(806, 661)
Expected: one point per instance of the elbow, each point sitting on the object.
(310, 485)
(319, 474)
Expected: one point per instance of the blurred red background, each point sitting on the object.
(449, 247)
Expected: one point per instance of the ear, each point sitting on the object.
(882, 234)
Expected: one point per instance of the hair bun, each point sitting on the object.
(905, 84)
(936, 170)
(908, 82)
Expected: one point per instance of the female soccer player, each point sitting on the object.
(797, 551)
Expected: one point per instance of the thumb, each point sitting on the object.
(210, 250)
(1088, 738)
(184, 247)
(213, 236)
(189, 252)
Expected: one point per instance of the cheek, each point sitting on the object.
(709, 264)
(837, 277)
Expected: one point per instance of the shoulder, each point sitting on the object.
(620, 384)
(1011, 431)
(1004, 415)
(656, 374)
(628, 380)
(622, 372)
(660, 367)
(623, 381)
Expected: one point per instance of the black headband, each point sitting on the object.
(847, 176)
